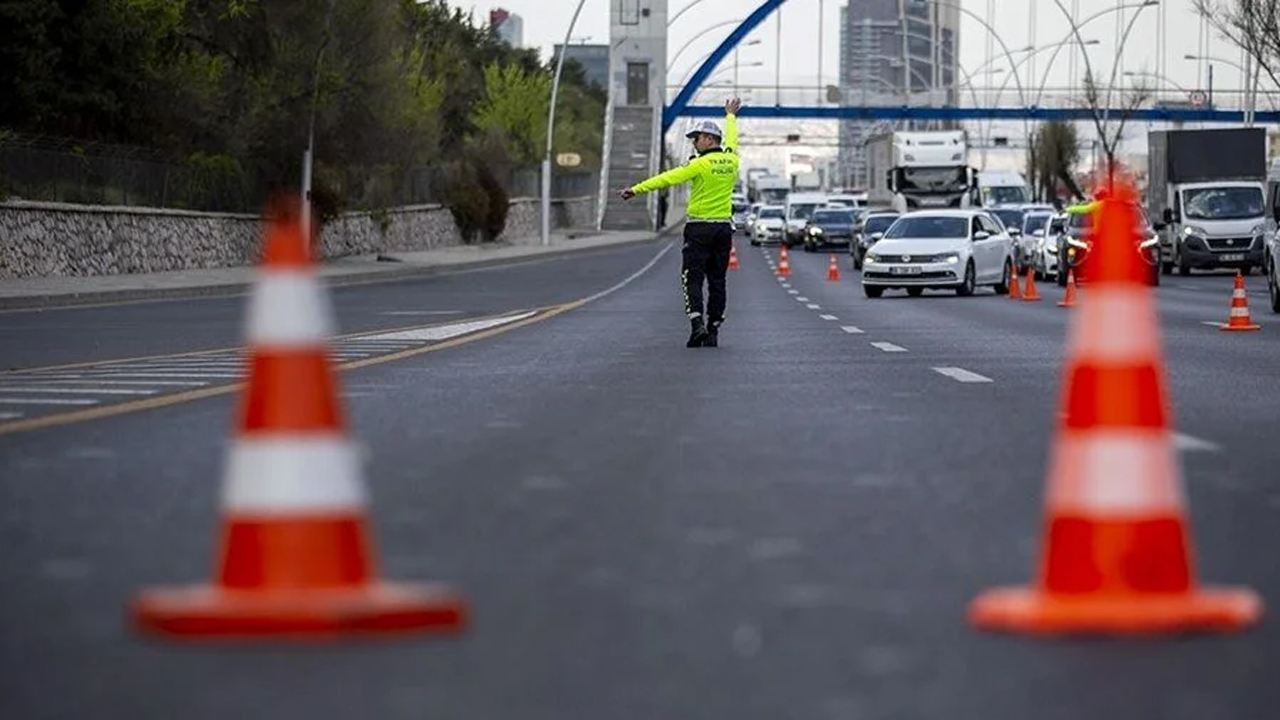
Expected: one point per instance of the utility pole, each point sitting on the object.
(551, 122)
(309, 154)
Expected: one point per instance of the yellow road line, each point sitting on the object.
(200, 353)
(105, 411)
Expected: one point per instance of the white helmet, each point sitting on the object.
(708, 127)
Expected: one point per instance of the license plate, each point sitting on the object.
(1234, 257)
(905, 271)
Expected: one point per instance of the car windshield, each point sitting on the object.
(771, 213)
(878, 223)
(1080, 221)
(943, 226)
(1010, 218)
(833, 216)
(933, 179)
(1007, 194)
(1033, 222)
(1230, 203)
(738, 208)
(802, 212)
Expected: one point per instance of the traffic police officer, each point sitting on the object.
(708, 230)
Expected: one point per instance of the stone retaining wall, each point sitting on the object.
(53, 239)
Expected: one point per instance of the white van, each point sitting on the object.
(800, 207)
(1003, 188)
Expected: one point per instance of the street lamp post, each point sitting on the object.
(551, 122)
(308, 155)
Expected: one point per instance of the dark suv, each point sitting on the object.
(1074, 247)
(870, 227)
(829, 226)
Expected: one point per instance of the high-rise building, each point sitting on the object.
(893, 52)
(508, 25)
(594, 60)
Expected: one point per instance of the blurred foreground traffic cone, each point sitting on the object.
(1031, 294)
(1015, 292)
(295, 556)
(1117, 556)
(1239, 318)
(784, 263)
(1069, 300)
(833, 270)
(733, 257)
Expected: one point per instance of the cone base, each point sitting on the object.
(1230, 328)
(1027, 610)
(209, 611)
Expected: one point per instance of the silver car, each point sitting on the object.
(942, 250)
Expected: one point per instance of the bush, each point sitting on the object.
(465, 198)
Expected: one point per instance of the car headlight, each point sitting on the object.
(1149, 242)
(1193, 231)
(815, 231)
(950, 258)
(872, 258)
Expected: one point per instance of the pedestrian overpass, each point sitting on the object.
(634, 133)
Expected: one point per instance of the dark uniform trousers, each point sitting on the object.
(706, 258)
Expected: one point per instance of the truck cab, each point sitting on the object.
(1208, 189)
(920, 170)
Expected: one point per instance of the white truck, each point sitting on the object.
(1002, 187)
(771, 189)
(1208, 189)
(920, 170)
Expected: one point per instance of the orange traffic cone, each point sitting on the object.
(833, 270)
(1239, 318)
(1031, 294)
(296, 556)
(784, 263)
(1117, 557)
(1015, 292)
(1069, 300)
(733, 257)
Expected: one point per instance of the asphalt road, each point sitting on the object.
(788, 526)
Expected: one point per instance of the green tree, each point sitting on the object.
(514, 107)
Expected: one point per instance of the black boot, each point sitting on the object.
(697, 333)
(713, 335)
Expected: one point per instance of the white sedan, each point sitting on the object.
(940, 249)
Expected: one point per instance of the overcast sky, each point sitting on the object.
(545, 23)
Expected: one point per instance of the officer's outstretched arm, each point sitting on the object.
(731, 124)
(674, 176)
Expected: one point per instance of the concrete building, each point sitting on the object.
(637, 88)
(508, 25)
(594, 60)
(893, 52)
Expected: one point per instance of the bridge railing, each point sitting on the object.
(985, 97)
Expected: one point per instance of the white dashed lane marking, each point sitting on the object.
(1187, 443)
(23, 393)
(794, 292)
(814, 306)
(852, 330)
(828, 317)
(802, 299)
(962, 375)
(888, 347)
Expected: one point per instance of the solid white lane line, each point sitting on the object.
(851, 329)
(1210, 323)
(9, 415)
(74, 391)
(1187, 443)
(45, 401)
(828, 317)
(422, 312)
(445, 332)
(888, 347)
(814, 306)
(962, 375)
(632, 277)
(42, 378)
(167, 375)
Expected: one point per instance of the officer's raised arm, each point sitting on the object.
(731, 108)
